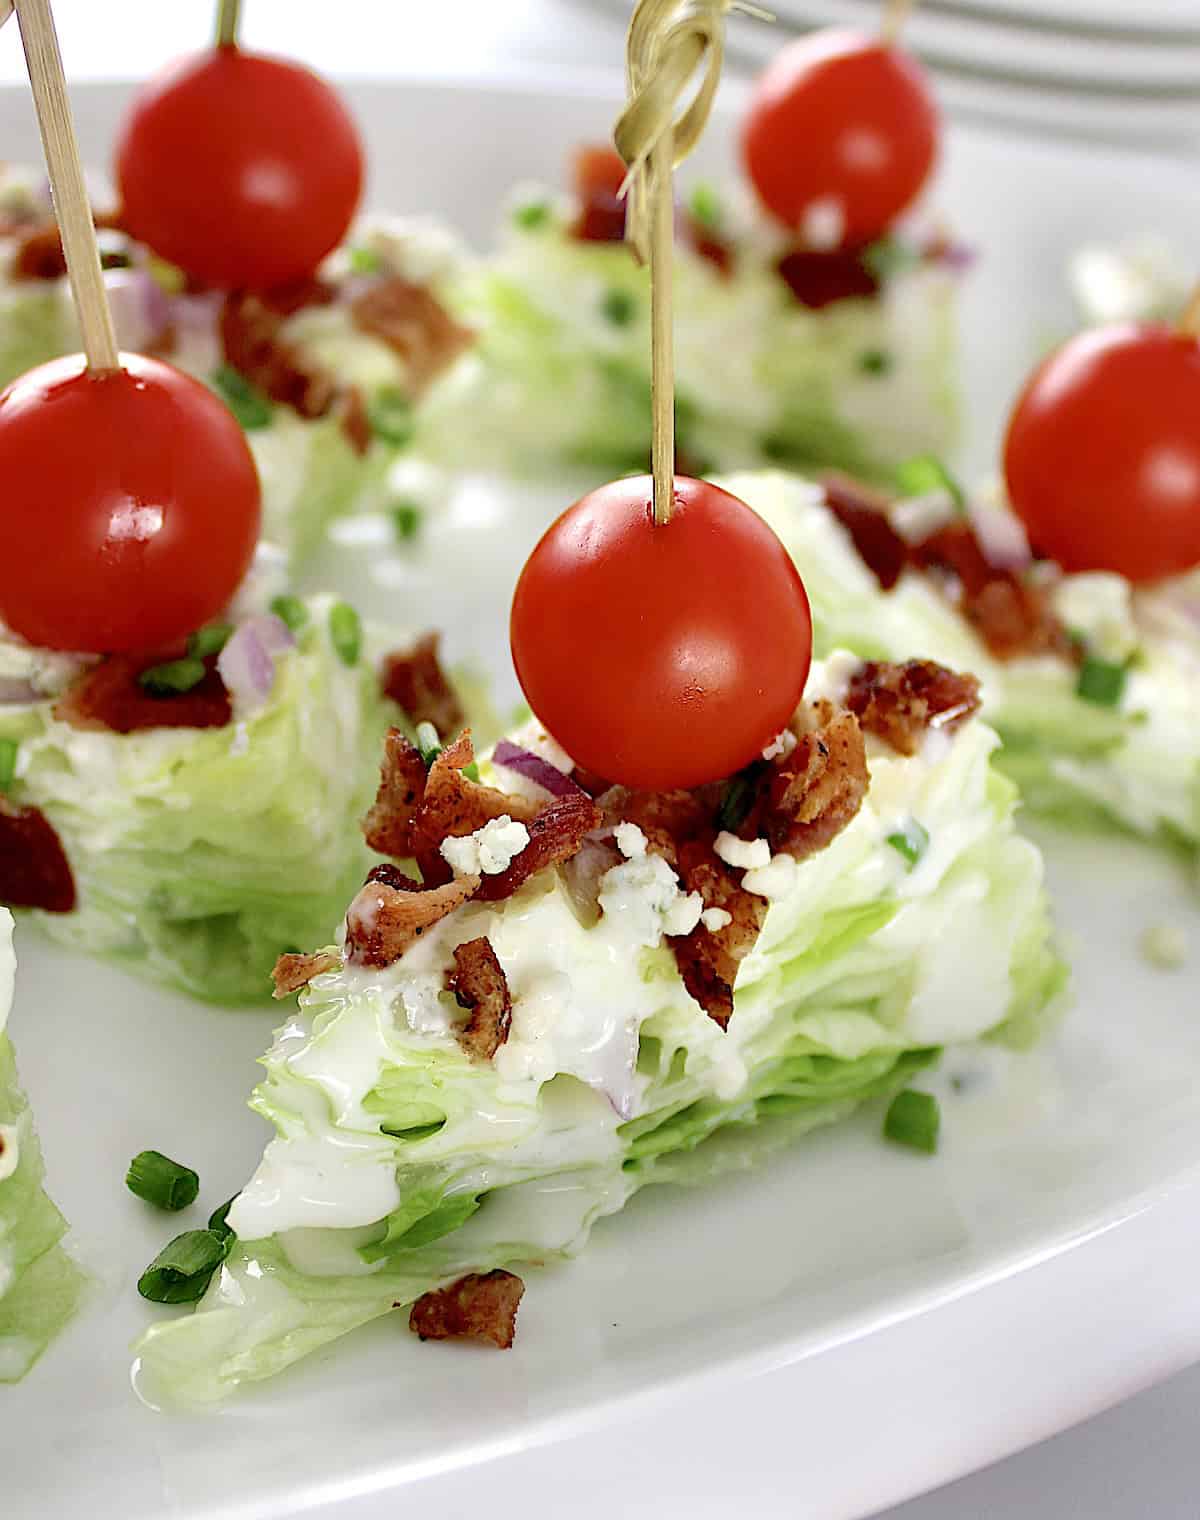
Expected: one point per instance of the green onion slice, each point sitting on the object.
(389, 412)
(1101, 682)
(364, 261)
(182, 1270)
(704, 203)
(161, 1181)
(911, 842)
(406, 519)
(290, 610)
(531, 215)
(428, 742)
(345, 631)
(924, 473)
(209, 641)
(914, 1119)
(618, 307)
(248, 405)
(8, 762)
(174, 677)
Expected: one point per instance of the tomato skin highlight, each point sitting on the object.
(841, 116)
(1102, 454)
(131, 506)
(661, 656)
(242, 169)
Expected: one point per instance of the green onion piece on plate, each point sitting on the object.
(1101, 682)
(913, 1119)
(217, 1219)
(209, 641)
(248, 405)
(290, 610)
(531, 215)
(174, 677)
(182, 1270)
(345, 632)
(161, 1181)
(406, 519)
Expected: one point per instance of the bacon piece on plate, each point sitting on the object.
(599, 174)
(415, 326)
(295, 971)
(388, 826)
(818, 278)
(454, 805)
(862, 511)
(708, 959)
(812, 793)
(478, 983)
(381, 922)
(356, 425)
(110, 696)
(34, 871)
(479, 1306)
(251, 336)
(414, 679)
(555, 835)
(901, 703)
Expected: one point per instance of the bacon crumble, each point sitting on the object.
(708, 959)
(355, 423)
(813, 792)
(252, 342)
(34, 870)
(901, 703)
(39, 255)
(415, 326)
(862, 511)
(293, 971)
(555, 835)
(381, 922)
(479, 1306)
(818, 278)
(599, 173)
(414, 679)
(110, 696)
(478, 982)
(388, 825)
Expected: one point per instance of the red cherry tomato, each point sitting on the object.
(1102, 457)
(661, 656)
(243, 170)
(841, 117)
(131, 506)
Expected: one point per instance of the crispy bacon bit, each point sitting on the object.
(599, 173)
(393, 876)
(1012, 616)
(708, 959)
(381, 922)
(287, 300)
(710, 246)
(415, 325)
(812, 793)
(356, 425)
(388, 825)
(251, 327)
(901, 703)
(818, 279)
(478, 983)
(34, 870)
(863, 513)
(109, 696)
(414, 678)
(479, 1306)
(39, 255)
(454, 805)
(295, 971)
(555, 834)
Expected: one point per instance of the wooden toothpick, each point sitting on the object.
(71, 206)
(228, 15)
(668, 42)
(6, 10)
(895, 17)
(1189, 322)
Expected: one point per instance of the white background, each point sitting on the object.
(1139, 1459)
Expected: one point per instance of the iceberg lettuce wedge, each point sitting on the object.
(400, 1162)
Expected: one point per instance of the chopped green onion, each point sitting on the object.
(168, 277)
(471, 772)
(618, 307)
(389, 412)
(406, 518)
(911, 842)
(531, 215)
(290, 610)
(345, 632)
(913, 1119)
(1101, 682)
(704, 203)
(161, 1181)
(889, 257)
(172, 678)
(415, 1131)
(364, 261)
(521, 715)
(210, 640)
(924, 473)
(8, 762)
(217, 1219)
(248, 405)
(182, 1270)
(875, 361)
(737, 798)
(428, 742)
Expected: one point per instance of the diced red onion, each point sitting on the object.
(583, 872)
(15, 689)
(139, 307)
(513, 758)
(193, 314)
(1001, 536)
(247, 663)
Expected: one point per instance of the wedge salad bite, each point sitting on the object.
(321, 333)
(812, 327)
(40, 1285)
(705, 933)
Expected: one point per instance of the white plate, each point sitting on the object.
(837, 1241)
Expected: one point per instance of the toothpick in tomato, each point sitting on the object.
(1102, 457)
(243, 170)
(131, 506)
(667, 655)
(841, 125)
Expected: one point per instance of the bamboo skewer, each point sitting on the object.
(71, 206)
(895, 18)
(1189, 322)
(228, 16)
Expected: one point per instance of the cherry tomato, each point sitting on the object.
(131, 506)
(243, 170)
(661, 656)
(1102, 457)
(842, 119)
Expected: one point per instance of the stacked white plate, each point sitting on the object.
(1121, 70)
